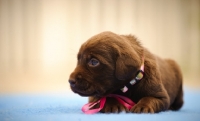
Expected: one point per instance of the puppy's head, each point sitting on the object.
(105, 63)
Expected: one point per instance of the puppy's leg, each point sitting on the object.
(178, 102)
(152, 104)
(111, 105)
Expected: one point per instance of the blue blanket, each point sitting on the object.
(67, 107)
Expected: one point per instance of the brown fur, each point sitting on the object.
(120, 58)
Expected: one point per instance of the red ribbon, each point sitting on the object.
(128, 103)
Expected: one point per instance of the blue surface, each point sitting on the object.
(67, 107)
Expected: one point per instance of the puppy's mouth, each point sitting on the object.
(83, 93)
(94, 94)
(84, 90)
(89, 90)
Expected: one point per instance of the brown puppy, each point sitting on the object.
(107, 62)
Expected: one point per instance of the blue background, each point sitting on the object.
(67, 107)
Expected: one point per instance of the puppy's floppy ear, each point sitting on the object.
(126, 65)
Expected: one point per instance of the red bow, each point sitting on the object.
(128, 103)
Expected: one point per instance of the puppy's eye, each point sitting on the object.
(93, 62)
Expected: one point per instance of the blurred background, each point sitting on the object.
(39, 39)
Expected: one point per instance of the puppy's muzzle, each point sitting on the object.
(73, 79)
(72, 82)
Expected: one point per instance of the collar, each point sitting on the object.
(139, 76)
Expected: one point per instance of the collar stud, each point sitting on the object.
(139, 76)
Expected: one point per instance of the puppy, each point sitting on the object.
(107, 62)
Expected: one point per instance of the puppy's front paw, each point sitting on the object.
(113, 106)
(139, 108)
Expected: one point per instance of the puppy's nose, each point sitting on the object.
(72, 82)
